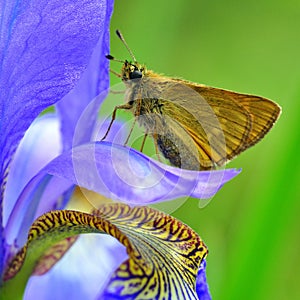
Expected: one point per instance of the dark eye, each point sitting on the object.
(135, 74)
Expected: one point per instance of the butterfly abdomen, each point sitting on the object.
(177, 152)
(169, 150)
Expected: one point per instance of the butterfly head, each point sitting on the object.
(132, 71)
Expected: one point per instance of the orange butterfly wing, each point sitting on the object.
(221, 123)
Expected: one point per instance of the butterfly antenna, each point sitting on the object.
(110, 57)
(119, 34)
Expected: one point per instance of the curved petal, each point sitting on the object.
(164, 254)
(39, 146)
(201, 284)
(82, 272)
(95, 81)
(46, 47)
(114, 171)
(127, 175)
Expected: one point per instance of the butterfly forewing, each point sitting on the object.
(221, 123)
(262, 114)
(217, 126)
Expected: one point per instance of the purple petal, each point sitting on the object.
(39, 146)
(126, 175)
(94, 81)
(201, 284)
(46, 47)
(82, 273)
(114, 171)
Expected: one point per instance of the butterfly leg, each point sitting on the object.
(115, 73)
(116, 92)
(143, 142)
(113, 117)
(136, 114)
(130, 132)
(154, 135)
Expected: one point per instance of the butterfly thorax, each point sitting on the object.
(140, 92)
(142, 96)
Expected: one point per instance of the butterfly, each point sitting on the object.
(194, 126)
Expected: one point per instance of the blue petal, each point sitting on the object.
(115, 171)
(201, 284)
(39, 146)
(127, 175)
(82, 273)
(46, 47)
(78, 103)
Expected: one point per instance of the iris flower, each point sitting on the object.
(54, 51)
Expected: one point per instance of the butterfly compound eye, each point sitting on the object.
(135, 74)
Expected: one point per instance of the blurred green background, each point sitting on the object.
(252, 226)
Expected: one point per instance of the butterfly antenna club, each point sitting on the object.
(119, 34)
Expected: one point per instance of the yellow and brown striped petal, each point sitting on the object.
(164, 254)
